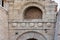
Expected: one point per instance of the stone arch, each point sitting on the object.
(33, 12)
(35, 34)
(29, 5)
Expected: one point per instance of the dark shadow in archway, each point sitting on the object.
(31, 39)
(33, 13)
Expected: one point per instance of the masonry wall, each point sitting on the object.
(17, 23)
(3, 24)
(58, 26)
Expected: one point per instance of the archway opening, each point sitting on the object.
(31, 39)
(33, 13)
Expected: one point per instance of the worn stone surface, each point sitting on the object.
(3, 24)
(58, 26)
(16, 26)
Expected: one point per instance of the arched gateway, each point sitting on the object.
(31, 36)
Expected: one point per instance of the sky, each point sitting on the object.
(58, 1)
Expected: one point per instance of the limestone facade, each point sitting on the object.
(23, 25)
(3, 24)
(57, 33)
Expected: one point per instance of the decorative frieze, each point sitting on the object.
(39, 24)
(14, 24)
(31, 25)
(48, 24)
(22, 24)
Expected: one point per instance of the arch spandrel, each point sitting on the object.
(28, 4)
(23, 8)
